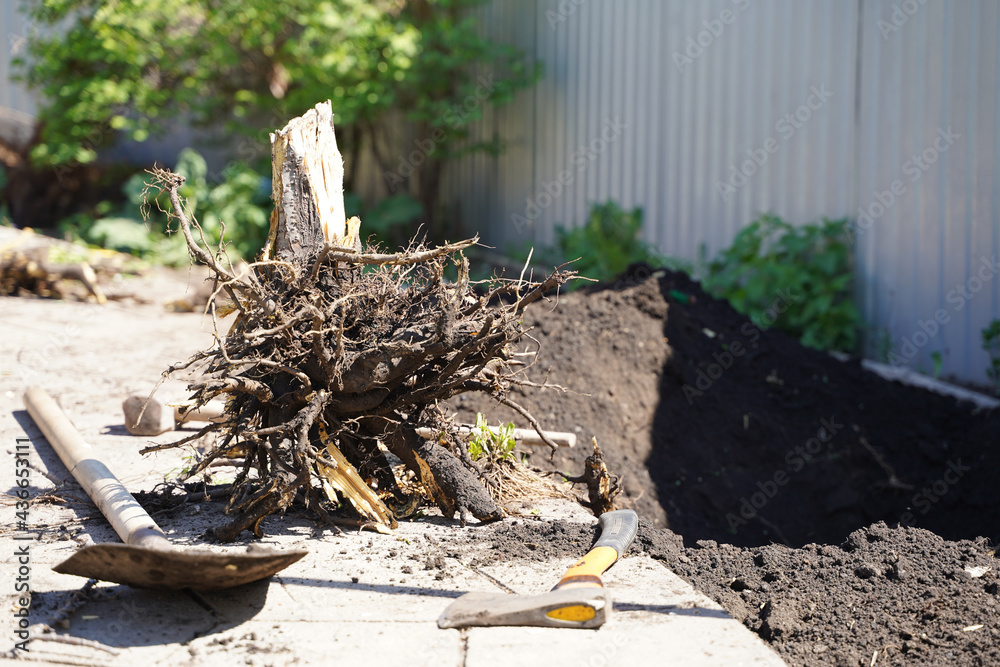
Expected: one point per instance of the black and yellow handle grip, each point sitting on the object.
(617, 530)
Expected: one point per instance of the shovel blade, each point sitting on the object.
(175, 569)
(586, 607)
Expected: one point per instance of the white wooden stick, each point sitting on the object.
(527, 436)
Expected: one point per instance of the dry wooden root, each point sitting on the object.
(334, 350)
(509, 480)
(602, 486)
(36, 264)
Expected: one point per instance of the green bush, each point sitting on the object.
(604, 246)
(798, 279)
(236, 209)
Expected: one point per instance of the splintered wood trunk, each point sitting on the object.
(308, 215)
(308, 218)
(308, 190)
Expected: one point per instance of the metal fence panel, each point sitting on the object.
(707, 114)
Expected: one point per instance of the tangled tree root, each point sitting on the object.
(332, 358)
(602, 486)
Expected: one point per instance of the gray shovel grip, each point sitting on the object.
(618, 529)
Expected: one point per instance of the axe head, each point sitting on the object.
(571, 607)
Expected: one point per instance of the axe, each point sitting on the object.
(579, 600)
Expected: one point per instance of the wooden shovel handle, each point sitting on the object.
(129, 520)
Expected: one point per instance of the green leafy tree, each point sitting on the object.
(108, 70)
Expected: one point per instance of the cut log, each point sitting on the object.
(35, 263)
(308, 190)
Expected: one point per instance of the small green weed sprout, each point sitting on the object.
(493, 445)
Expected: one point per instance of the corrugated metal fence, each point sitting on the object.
(708, 113)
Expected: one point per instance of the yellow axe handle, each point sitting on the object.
(618, 529)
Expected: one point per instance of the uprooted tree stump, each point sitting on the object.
(335, 352)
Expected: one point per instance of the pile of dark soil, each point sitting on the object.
(885, 596)
(761, 456)
(899, 596)
(723, 431)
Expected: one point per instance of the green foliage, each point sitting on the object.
(798, 279)
(606, 244)
(492, 445)
(111, 70)
(236, 209)
(991, 343)
(5, 220)
(881, 344)
(390, 220)
(938, 360)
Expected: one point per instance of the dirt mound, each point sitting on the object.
(724, 431)
(902, 595)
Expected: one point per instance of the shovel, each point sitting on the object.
(579, 600)
(147, 559)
